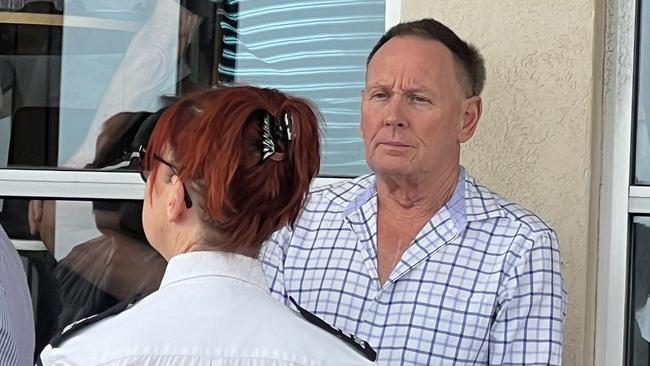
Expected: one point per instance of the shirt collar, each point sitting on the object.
(480, 202)
(214, 264)
(469, 202)
(456, 204)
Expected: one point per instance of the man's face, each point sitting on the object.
(412, 109)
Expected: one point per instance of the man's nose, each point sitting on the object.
(394, 114)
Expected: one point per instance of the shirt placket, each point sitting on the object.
(439, 231)
(363, 222)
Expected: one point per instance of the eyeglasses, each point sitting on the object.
(144, 173)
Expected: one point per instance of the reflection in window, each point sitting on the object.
(65, 76)
(70, 70)
(639, 312)
(642, 171)
(80, 257)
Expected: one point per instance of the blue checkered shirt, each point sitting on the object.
(479, 285)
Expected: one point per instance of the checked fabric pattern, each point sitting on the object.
(481, 284)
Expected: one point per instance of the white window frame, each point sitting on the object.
(62, 184)
(619, 198)
(393, 12)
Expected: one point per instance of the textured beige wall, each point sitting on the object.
(536, 140)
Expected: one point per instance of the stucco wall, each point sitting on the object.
(534, 143)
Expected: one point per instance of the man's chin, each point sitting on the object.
(394, 169)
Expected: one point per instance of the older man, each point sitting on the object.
(420, 260)
(16, 317)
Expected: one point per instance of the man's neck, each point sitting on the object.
(408, 198)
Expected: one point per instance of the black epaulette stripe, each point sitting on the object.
(73, 328)
(358, 344)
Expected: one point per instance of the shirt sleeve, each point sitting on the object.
(529, 323)
(273, 256)
(8, 348)
(16, 318)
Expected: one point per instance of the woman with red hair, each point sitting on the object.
(224, 169)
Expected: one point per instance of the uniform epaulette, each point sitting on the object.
(73, 328)
(358, 344)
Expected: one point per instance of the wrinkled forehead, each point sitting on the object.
(409, 57)
(412, 62)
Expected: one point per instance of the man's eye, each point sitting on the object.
(419, 99)
(379, 95)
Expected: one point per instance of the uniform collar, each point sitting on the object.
(214, 264)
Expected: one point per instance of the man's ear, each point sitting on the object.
(176, 200)
(472, 109)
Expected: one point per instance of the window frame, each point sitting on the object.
(620, 198)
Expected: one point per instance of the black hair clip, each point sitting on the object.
(275, 134)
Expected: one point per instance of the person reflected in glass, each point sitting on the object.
(224, 169)
(116, 262)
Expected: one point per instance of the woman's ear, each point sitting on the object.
(175, 199)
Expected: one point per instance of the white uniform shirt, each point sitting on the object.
(211, 309)
(16, 318)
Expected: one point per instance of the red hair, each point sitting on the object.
(216, 142)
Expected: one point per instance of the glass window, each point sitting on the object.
(81, 257)
(642, 171)
(639, 311)
(315, 49)
(75, 72)
(638, 329)
(78, 77)
(623, 301)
